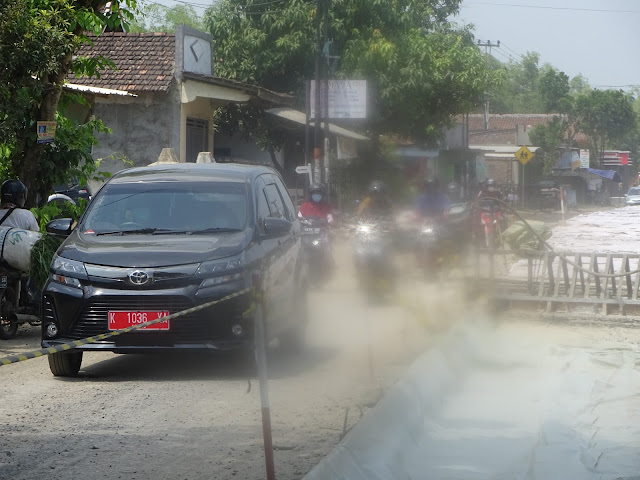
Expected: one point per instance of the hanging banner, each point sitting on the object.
(46, 131)
(347, 99)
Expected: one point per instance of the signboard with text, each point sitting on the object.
(347, 99)
(584, 158)
(46, 131)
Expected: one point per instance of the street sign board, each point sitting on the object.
(46, 131)
(584, 158)
(303, 169)
(347, 99)
(524, 155)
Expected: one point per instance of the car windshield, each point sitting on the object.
(168, 207)
(634, 191)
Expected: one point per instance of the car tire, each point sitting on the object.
(65, 364)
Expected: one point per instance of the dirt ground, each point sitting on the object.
(198, 416)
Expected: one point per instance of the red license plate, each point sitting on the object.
(119, 320)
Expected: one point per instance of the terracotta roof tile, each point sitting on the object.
(145, 61)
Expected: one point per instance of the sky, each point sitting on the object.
(596, 38)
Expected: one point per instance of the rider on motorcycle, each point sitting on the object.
(12, 213)
(317, 205)
(377, 203)
(490, 190)
(431, 203)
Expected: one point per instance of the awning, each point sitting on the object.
(609, 174)
(300, 118)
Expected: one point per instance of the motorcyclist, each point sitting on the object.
(377, 203)
(490, 190)
(431, 203)
(317, 205)
(12, 213)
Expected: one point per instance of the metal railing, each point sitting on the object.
(554, 282)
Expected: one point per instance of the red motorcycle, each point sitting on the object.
(489, 226)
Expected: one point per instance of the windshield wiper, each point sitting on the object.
(215, 230)
(143, 231)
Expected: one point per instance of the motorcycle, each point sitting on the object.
(373, 257)
(491, 222)
(17, 305)
(440, 242)
(316, 242)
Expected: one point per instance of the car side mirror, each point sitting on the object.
(276, 227)
(60, 226)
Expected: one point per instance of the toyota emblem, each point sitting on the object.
(139, 277)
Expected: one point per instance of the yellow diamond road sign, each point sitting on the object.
(524, 155)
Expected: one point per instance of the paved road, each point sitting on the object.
(192, 416)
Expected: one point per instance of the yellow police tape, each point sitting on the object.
(77, 343)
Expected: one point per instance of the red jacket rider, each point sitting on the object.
(317, 205)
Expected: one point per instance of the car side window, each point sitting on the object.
(276, 205)
(262, 205)
(284, 193)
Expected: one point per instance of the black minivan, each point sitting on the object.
(158, 240)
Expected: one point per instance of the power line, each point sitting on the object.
(512, 51)
(575, 9)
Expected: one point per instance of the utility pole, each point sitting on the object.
(318, 140)
(487, 50)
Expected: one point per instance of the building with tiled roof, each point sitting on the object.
(161, 95)
(509, 129)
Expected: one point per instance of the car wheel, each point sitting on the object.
(65, 364)
(294, 338)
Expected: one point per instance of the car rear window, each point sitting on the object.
(174, 206)
(634, 191)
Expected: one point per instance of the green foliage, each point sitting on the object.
(37, 41)
(160, 18)
(44, 249)
(550, 138)
(421, 69)
(51, 211)
(606, 116)
(41, 256)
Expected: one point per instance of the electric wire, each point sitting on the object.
(548, 7)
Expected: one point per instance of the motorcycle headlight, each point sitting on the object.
(68, 272)
(217, 272)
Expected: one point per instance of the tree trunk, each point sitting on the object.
(28, 168)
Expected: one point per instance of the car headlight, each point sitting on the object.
(68, 272)
(217, 272)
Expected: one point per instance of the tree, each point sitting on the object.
(160, 18)
(421, 69)
(606, 116)
(550, 138)
(553, 87)
(37, 42)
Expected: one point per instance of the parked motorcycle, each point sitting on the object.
(316, 241)
(17, 305)
(373, 256)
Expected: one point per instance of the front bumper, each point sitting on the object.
(80, 314)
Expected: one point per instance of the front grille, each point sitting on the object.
(207, 325)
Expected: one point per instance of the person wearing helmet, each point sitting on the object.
(431, 202)
(377, 202)
(317, 205)
(12, 213)
(489, 190)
